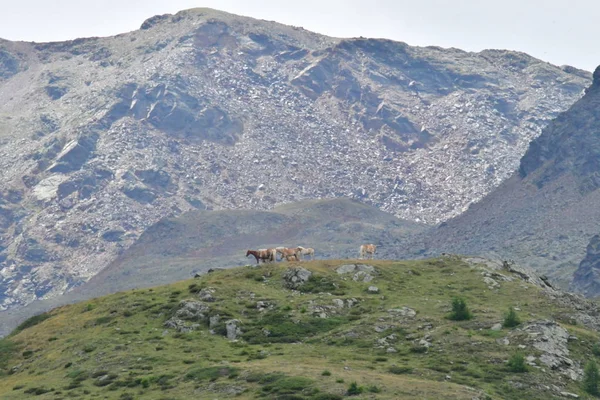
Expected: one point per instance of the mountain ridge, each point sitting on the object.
(100, 138)
(544, 214)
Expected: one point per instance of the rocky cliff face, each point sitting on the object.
(545, 215)
(587, 277)
(102, 137)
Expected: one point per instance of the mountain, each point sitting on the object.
(546, 214)
(100, 138)
(320, 330)
(178, 248)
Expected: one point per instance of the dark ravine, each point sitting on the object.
(102, 137)
(544, 215)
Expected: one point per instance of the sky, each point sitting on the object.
(557, 31)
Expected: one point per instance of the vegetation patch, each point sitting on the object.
(323, 284)
(29, 322)
(211, 373)
(7, 350)
(276, 327)
(460, 311)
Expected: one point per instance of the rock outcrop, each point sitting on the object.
(586, 278)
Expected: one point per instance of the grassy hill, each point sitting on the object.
(177, 248)
(314, 342)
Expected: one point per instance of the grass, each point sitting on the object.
(32, 321)
(111, 349)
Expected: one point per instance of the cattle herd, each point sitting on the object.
(298, 253)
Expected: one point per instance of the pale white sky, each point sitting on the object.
(558, 31)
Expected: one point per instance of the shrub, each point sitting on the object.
(318, 284)
(210, 373)
(326, 396)
(7, 349)
(326, 373)
(511, 319)
(340, 380)
(33, 321)
(354, 389)
(591, 377)
(373, 389)
(284, 330)
(417, 348)
(516, 363)
(395, 369)
(89, 348)
(596, 349)
(460, 311)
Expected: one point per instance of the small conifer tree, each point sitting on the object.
(460, 311)
(354, 389)
(511, 319)
(516, 363)
(591, 378)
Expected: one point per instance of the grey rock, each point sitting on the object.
(213, 321)
(233, 329)
(403, 312)
(373, 289)
(355, 268)
(569, 395)
(113, 235)
(339, 303)
(191, 310)
(496, 327)
(295, 277)
(362, 276)
(207, 295)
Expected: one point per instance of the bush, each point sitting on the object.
(591, 378)
(373, 389)
(33, 321)
(7, 349)
(516, 363)
(596, 349)
(326, 373)
(511, 319)
(354, 389)
(210, 373)
(460, 311)
(326, 396)
(283, 330)
(394, 369)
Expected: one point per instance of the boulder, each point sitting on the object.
(295, 277)
(233, 329)
(373, 290)
(139, 193)
(355, 268)
(113, 235)
(403, 312)
(191, 310)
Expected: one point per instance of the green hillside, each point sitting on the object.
(332, 337)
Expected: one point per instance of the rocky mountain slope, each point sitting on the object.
(102, 137)
(545, 215)
(309, 331)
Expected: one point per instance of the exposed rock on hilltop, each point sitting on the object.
(102, 137)
(545, 215)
